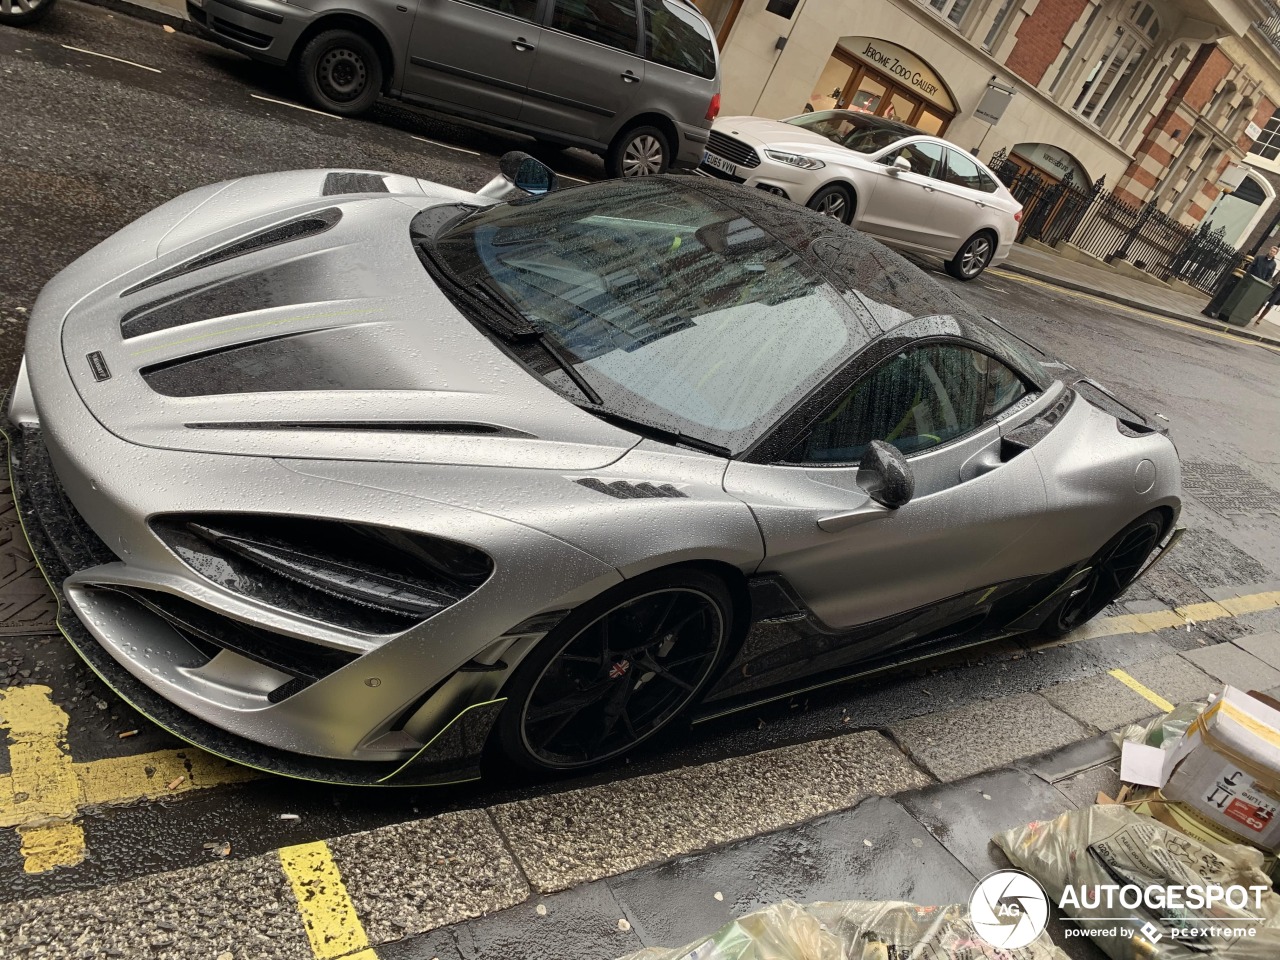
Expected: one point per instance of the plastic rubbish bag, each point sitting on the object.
(1162, 731)
(1098, 849)
(850, 930)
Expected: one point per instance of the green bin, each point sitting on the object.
(1245, 300)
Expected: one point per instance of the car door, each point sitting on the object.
(963, 204)
(853, 561)
(900, 208)
(588, 73)
(475, 54)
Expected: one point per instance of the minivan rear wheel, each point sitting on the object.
(638, 152)
(339, 71)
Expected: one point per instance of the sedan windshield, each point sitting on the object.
(675, 310)
(862, 132)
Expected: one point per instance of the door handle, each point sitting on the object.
(521, 44)
(930, 189)
(843, 521)
(630, 77)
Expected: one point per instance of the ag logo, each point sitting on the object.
(1009, 909)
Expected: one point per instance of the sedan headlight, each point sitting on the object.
(794, 160)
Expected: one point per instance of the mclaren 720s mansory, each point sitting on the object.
(360, 478)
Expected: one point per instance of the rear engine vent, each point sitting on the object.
(308, 226)
(339, 183)
(626, 490)
(365, 578)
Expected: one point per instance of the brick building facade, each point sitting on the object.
(1160, 99)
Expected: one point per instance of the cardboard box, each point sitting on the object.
(1227, 769)
(1152, 803)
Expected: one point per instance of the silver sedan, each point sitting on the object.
(888, 179)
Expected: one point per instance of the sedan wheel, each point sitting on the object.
(972, 258)
(18, 12)
(618, 675)
(1111, 570)
(833, 202)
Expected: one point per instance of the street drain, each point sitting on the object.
(1229, 490)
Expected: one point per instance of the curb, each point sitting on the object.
(150, 14)
(1208, 324)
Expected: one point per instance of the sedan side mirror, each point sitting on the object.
(520, 173)
(900, 164)
(886, 476)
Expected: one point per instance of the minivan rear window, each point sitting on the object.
(676, 37)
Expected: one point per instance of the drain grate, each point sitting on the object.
(26, 605)
(1229, 490)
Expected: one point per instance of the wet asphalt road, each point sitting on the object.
(87, 144)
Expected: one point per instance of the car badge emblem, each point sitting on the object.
(619, 669)
(98, 364)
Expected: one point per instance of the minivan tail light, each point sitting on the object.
(713, 109)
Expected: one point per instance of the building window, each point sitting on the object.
(1075, 50)
(997, 25)
(1115, 68)
(1267, 146)
(953, 10)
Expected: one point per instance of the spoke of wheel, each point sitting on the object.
(656, 631)
(574, 703)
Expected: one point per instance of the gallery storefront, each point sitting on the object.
(875, 76)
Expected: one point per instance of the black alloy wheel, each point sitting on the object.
(973, 257)
(616, 671)
(1111, 570)
(340, 72)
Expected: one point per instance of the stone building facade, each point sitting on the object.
(1164, 100)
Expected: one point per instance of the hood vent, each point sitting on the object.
(361, 426)
(626, 490)
(308, 226)
(336, 184)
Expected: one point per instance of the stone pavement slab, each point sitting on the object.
(876, 851)
(1230, 664)
(1105, 703)
(621, 825)
(1264, 646)
(955, 745)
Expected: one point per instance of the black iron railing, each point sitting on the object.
(1110, 228)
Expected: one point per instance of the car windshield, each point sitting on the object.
(677, 310)
(862, 132)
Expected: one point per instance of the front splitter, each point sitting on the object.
(62, 543)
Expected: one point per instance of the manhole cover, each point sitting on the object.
(1228, 489)
(26, 605)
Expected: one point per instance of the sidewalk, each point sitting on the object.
(1128, 292)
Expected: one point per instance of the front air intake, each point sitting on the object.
(361, 577)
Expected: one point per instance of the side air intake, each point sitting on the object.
(626, 490)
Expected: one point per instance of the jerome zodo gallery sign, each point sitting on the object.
(903, 65)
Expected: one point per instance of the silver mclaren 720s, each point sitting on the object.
(360, 478)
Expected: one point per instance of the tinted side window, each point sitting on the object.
(611, 22)
(963, 171)
(524, 9)
(918, 399)
(675, 38)
(926, 159)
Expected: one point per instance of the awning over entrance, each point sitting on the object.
(1051, 162)
(876, 76)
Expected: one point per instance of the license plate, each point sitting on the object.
(720, 163)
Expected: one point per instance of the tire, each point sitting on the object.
(638, 152)
(339, 71)
(19, 13)
(1112, 569)
(616, 672)
(973, 256)
(834, 201)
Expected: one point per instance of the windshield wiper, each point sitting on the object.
(656, 432)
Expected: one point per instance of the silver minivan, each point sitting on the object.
(635, 80)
